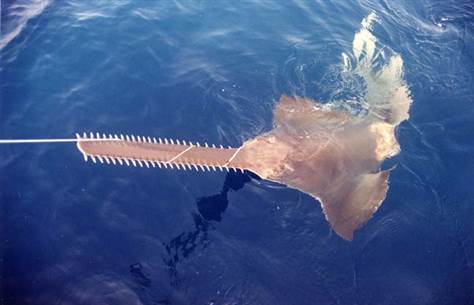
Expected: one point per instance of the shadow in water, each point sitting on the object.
(211, 209)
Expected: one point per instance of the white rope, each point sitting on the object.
(24, 141)
(233, 156)
(180, 154)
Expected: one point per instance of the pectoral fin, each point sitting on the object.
(351, 209)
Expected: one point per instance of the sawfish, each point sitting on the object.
(325, 151)
(328, 154)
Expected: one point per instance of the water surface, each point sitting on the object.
(78, 233)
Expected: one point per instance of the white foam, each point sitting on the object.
(387, 95)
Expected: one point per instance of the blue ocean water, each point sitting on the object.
(79, 233)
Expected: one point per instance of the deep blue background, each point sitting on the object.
(79, 233)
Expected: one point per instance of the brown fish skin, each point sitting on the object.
(326, 153)
(159, 152)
